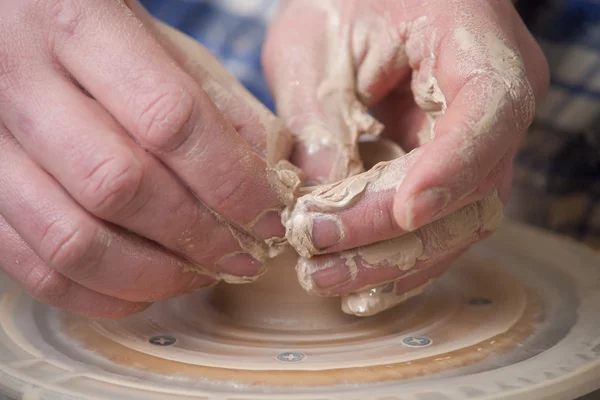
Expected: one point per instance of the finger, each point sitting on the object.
(358, 211)
(263, 131)
(336, 280)
(490, 104)
(167, 112)
(316, 91)
(369, 266)
(410, 129)
(376, 300)
(114, 179)
(78, 246)
(50, 287)
(352, 212)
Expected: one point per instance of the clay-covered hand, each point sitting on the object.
(454, 82)
(130, 162)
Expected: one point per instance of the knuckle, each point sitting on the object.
(164, 117)
(64, 16)
(515, 86)
(194, 240)
(47, 285)
(233, 189)
(70, 248)
(379, 218)
(113, 187)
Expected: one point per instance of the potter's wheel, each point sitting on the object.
(518, 317)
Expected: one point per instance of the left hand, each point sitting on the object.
(456, 81)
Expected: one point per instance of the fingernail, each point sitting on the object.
(325, 232)
(269, 225)
(239, 264)
(425, 206)
(332, 277)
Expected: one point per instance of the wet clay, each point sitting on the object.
(385, 172)
(461, 334)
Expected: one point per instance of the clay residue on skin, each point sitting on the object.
(286, 179)
(350, 120)
(426, 91)
(270, 139)
(401, 252)
(200, 269)
(492, 213)
(337, 93)
(380, 48)
(504, 65)
(305, 268)
(328, 199)
(260, 250)
(462, 227)
(340, 90)
(287, 182)
(503, 84)
(429, 97)
(445, 235)
(374, 301)
(505, 89)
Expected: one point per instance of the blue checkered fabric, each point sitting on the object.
(233, 30)
(557, 173)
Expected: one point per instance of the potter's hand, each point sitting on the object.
(121, 181)
(457, 79)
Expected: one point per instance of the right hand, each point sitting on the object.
(455, 83)
(129, 165)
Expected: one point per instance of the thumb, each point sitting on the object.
(312, 76)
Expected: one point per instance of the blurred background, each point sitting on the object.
(557, 172)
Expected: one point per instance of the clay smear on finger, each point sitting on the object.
(342, 195)
(503, 66)
(429, 98)
(305, 268)
(250, 245)
(462, 227)
(451, 233)
(446, 235)
(374, 301)
(401, 252)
